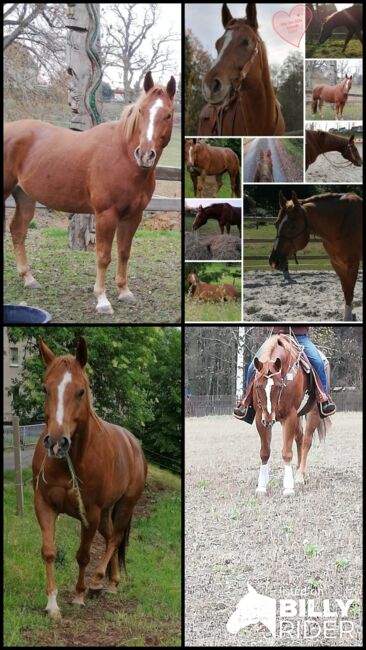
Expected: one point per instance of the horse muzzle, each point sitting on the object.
(277, 262)
(215, 91)
(57, 448)
(146, 159)
(268, 423)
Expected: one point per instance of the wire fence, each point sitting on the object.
(204, 405)
(29, 434)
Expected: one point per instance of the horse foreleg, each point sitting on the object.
(194, 182)
(47, 520)
(201, 183)
(289, 429)
(218, 183)
(228, 228)
(222, 227)
(312, 421)
(125, 231)
(83, 555)
(265, 451)
(24, 213)
(321, 102)
(348, 38)
(106, 223)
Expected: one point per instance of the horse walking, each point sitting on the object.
(227, 215)
(351, 18)
(319, 142)
(204, 160)
(199, 290)
(109, 170)
(238, 87)
(280, 385)
(107, 461)
(264, 171)
(337, 95)
(337, 220)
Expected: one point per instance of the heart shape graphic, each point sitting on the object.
(292, 27)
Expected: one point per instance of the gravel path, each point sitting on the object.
(317, 296)
(233, 538)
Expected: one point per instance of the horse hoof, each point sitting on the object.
(288, 492)
(299, 480)
(260, 491)
(33, 284)
(127, 297)
(79, 601)
(111, 589)
(105, 309)
(55, 614)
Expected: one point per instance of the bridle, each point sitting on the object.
(306, 228)
(348, 163)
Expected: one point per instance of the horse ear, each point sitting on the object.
(148, 82)
(47, 355)
(258, 364)
(295, 200)
(352, 137)
(277, 364)
(282, 199)
(252, 15)
(82, 352)
(225, 15)
(171, 87)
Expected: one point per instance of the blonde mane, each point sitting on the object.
(130, 115)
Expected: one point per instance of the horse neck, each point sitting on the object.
(82, 437)
(259, 101)
(322, 225)
(335, 143)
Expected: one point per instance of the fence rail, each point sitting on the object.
(205, 405)
(29, 434)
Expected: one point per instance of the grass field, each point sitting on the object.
(211, 227)
(219, 311)
(209, 189)
(332, 48)
(67, 278)
(146, 611)
(352, 110)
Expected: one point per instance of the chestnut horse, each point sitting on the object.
(238, 87)
(199, 290)
(280, 384)
(337, 95)
(109, 465)
(337, 220)
(109, 170)
(204, 160)
(350, 18)
(264, 171)
(318, 142)
(227, 215)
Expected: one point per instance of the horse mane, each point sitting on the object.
(320, 197)
(130, 115)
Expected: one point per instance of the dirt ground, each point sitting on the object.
(317, 296)
(199, 246)
(323, 170)
(233, 538)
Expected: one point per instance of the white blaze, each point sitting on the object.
(61, 390)
(268, 388)
(153, 110)
(227, 39)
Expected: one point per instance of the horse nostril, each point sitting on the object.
(216, 86)
(137, 152)
(152, 154)
(64, 443)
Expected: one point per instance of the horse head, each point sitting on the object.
(251, 609)
(237, 50)
(326, 30)
(268, 384)
(292, 231)
(200, 219)
(347, 84)
(153, 119)
(189, 147)
(192, 279)
(67, 401)
(351, 152)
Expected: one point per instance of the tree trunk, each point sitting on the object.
(81, 232)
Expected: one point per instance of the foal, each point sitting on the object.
(109, 465)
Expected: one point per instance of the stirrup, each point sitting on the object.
(248, 416)
(322, 413)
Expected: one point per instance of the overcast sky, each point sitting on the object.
(195, 203)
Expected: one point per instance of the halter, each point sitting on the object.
(348, 163)
(305, 229)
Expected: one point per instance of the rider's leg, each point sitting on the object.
(241, 411)
(317, 362)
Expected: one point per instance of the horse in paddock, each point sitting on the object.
(264, 171)
(109, 170)
(227, 215)
(205, 292)
(279, 387)
(337, 95)
(204, 160)
(238, 87)
(337, 220)
(350, 18)
(110, 469)
(318, 142)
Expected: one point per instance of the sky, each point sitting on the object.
(205, 22)
(194, 203)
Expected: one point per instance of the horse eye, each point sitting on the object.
(80, 392)
(245, 42)
(168, 117)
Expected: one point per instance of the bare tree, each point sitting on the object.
(131, 29)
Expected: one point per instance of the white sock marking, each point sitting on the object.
(268, 389)
(51, 603)
(61, 390)
(263, 477)
(153, 110)
(288, 479)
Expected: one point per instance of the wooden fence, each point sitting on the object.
(206, 405)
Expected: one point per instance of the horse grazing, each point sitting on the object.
(350, 18)
(264, 171)
(109, 170)
(318, 142)
(204, 160)
(226, 215)
(238, 87)
(199, 290)
(337, 95)
(280, 385)
(337, 220)
(109, 466)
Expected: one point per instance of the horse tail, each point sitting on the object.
(237, 184)
(323, 428)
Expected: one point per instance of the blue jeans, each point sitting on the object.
(313, 355)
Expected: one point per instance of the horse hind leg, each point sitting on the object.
(113, 569)
(314, 105)
(24, 213)
(218, 183)
(312, 421)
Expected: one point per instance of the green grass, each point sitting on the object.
(67, 278)
(295, 148)
(172, 154)
(210, 311)
(148, 603)
(224, 193)
(211, 227)
(332, 48)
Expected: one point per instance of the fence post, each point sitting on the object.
(18, 466)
